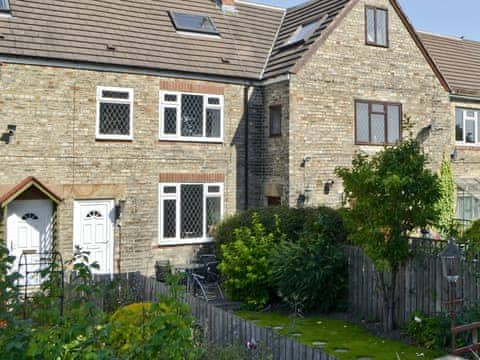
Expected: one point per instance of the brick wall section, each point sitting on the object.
(55, 113)
(192, 178)
(276, 161)
(322, 98)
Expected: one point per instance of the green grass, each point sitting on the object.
(340, 335)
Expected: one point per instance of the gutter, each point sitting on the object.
(465, 98)
(247, 130)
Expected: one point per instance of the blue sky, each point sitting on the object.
(449, 17)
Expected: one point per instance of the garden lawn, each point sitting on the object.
(339, 335)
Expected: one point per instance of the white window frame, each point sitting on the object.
(177, 197)
(178, 106)
(475, 118)
(101, 99)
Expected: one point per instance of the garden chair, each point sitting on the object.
(205, 280)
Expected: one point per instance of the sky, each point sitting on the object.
(448, 17)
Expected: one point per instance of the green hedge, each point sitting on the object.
(292, 254)
(293, 223)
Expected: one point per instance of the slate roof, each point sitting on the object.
(140, 34)
(458, 61)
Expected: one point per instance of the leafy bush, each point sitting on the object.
(472, 239)
(311, 273)
(293, 223)
(432, 332)
(234, 352)
(245, 263)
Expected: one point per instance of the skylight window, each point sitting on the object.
(4, 6)
(192, 23)
(304, 32)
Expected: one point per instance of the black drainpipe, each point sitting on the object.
(247, 120)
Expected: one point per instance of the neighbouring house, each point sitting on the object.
(131, 128)
(459, 61)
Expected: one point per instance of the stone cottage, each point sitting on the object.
(131, 128)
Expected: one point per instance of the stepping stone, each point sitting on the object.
(319, 344)
(296, 334)
(364, 358)
(278, 328)
(341, 351)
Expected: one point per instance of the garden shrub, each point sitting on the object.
(472, 239)
(293, 223)
(311, 273)
(245, 264)
(431, 332)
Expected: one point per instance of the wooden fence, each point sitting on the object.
(220, 326)
(421, 286)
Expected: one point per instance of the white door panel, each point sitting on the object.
(94, 231)
(29, 228)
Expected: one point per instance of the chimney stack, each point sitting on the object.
(228, 5)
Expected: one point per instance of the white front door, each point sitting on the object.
(94, 231)
(29, 229)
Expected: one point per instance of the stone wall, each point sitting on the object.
(55, 113)
(344, 69)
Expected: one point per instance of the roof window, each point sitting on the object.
(193, 23)
(304, 32)
(4, 6)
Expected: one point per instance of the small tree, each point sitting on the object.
(393, 194)
(446, 203)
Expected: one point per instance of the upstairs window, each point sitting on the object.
(377, 123)
(191, 117)
(193, 23)
(114, 113)
(4, 7)
(467, 126)
(376, 26)
(275, 120)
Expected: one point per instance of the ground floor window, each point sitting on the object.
(189, 212)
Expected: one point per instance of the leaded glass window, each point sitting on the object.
(189, 212)
(185, 116)
(114, 113)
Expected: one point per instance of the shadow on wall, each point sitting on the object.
(249, 143)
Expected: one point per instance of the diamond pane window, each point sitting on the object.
(4, 6)
(193, 23)
(467, 126)
(214, 212)
(169, 218)
(170, 121)
(114, 113)
(186, 116)
(190, 213)
(214, 119)
(377, 123)
(376, 26)
(192, 115)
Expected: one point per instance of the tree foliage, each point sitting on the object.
(446, 203)
(392, 194)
